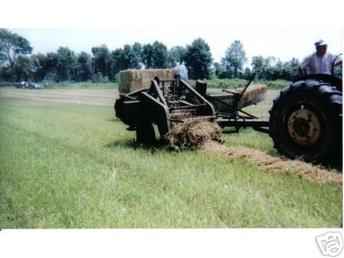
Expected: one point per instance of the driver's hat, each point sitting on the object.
(320, 43)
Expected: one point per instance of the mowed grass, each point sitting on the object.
(75, 166)
(81, 85)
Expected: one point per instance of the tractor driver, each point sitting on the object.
(321, 62)
(182, 71)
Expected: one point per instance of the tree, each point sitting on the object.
(51, 66)
(39, 66)
(198, 59)
(155, 55)
(219, 70)
(128, 57)
(84, 67)
(66, 64)
(102, 60)
(257, 64)
(2, 58)
(160, 57)
(117, 63)
(234, 59)
(247, 74)
(23, 68)
(176, 55)
(272, 68)
(261, 66)
(6, 74)
(131, 57)
(137, 52)
(292, 68)
(12, 45)
(147, 55)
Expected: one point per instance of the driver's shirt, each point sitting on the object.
(315, 64)
(182, 71)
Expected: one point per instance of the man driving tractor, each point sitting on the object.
(321, 62)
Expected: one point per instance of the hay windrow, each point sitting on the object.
(193, 134)
(271, 164)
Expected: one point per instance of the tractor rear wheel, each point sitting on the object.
(306, 122)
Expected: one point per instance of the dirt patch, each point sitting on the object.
(272, 164)
(194, 134)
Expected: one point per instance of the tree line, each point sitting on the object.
(102, 64)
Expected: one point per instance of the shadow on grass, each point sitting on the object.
(112, 119)
(157, 147)
(133, 144)
(334, 164)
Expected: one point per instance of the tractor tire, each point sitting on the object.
(306, 122)
(145, 133)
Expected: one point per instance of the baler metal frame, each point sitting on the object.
(236, 117)
(172, 101)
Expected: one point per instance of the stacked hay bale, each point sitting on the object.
(132, 80)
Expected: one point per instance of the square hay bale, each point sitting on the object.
(132, 80)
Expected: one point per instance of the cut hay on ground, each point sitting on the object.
(132, 80)
(207, 135)
(276, 164)
(193, 134)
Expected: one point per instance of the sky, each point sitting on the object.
(282, 41)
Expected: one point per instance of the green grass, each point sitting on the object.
(81, 85)
(74, 166)
(72, 85)
(213, 83)
(237, 83)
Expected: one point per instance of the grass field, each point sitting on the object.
(213, 83)
(68, 165)
(81, 85)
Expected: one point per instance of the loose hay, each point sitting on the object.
(253, 95)
(275, 164)
(193, 134)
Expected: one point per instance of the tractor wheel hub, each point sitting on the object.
(304, 127)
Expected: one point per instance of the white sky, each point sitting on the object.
(280, 28)
(283, 41)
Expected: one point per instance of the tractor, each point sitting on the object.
(305, 119)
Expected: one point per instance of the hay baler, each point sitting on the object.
(153, 111)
